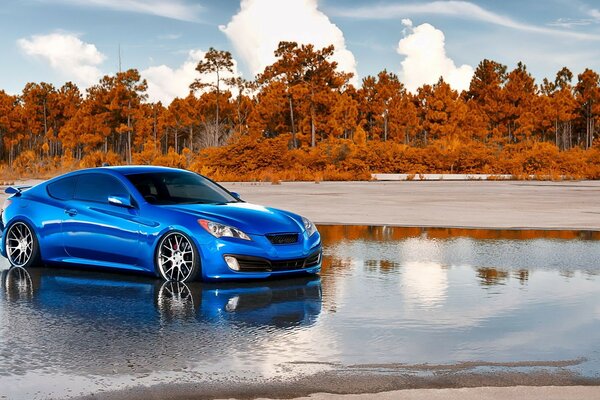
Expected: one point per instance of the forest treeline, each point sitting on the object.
(301, 119)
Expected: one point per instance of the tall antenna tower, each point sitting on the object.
(119, 57)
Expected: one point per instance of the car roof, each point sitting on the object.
(133, 169)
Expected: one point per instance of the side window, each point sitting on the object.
(97, 187)
(62, 189)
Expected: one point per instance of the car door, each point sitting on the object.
(60, 192)
(96, 231)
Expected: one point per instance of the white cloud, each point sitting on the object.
(570, 23)
(426, 59)
(166, 83)
(170, 36)
(260, 25)
(459, 9)
(67, 54)
(594, 13)
(175, 9)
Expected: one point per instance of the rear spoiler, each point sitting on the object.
(16, 190)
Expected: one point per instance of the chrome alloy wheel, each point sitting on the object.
(19, 244)
(176, 257)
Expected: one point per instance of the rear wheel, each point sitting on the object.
(177, 258)
(22, 247)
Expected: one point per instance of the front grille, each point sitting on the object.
(257, 264)
(283, 238)
(287, 264)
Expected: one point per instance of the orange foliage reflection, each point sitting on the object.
(332, 234)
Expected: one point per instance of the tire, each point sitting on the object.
(22, 246)
(177, 258)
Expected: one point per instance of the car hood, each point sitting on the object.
(250, 218)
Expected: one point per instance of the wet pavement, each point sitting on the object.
(407, 306)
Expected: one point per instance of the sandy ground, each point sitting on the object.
(476, 204)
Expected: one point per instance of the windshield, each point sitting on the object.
(176, 187)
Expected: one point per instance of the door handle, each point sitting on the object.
(71, 212)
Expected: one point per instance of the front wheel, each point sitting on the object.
(177, 258)
(22, 247)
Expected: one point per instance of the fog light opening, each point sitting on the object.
(232, 263)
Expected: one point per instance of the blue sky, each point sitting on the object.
(59, 40)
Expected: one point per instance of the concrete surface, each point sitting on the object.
(488, 393)
(476, 204)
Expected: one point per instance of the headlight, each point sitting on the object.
(220, 230)
(309, 226)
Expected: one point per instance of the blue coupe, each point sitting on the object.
(174, 223)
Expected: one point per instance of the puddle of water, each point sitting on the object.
(389, 299)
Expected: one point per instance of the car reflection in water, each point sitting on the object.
(279, 303)
(98, 323)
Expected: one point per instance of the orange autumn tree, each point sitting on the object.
(302, 119)
(520, 104)
(386, 108)
(588, 97)
(217, 63)
(486, 98)
(311, 80)
(559, 108)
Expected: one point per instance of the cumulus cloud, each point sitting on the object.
(166, 83)
(260, 25)
(426, 59)
(67, 54)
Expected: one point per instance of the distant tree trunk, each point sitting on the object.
(45, 120)
(129, 132)
(218, 94)
(313, 138)
(191, 138)
(239, 112)
(154, 126)
(592, 132)
(385, 126)
(292, 121)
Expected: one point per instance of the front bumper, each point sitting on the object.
(260, 258)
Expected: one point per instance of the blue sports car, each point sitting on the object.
(173, 223)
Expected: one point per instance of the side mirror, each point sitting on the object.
(120, 201)
(236, 195)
